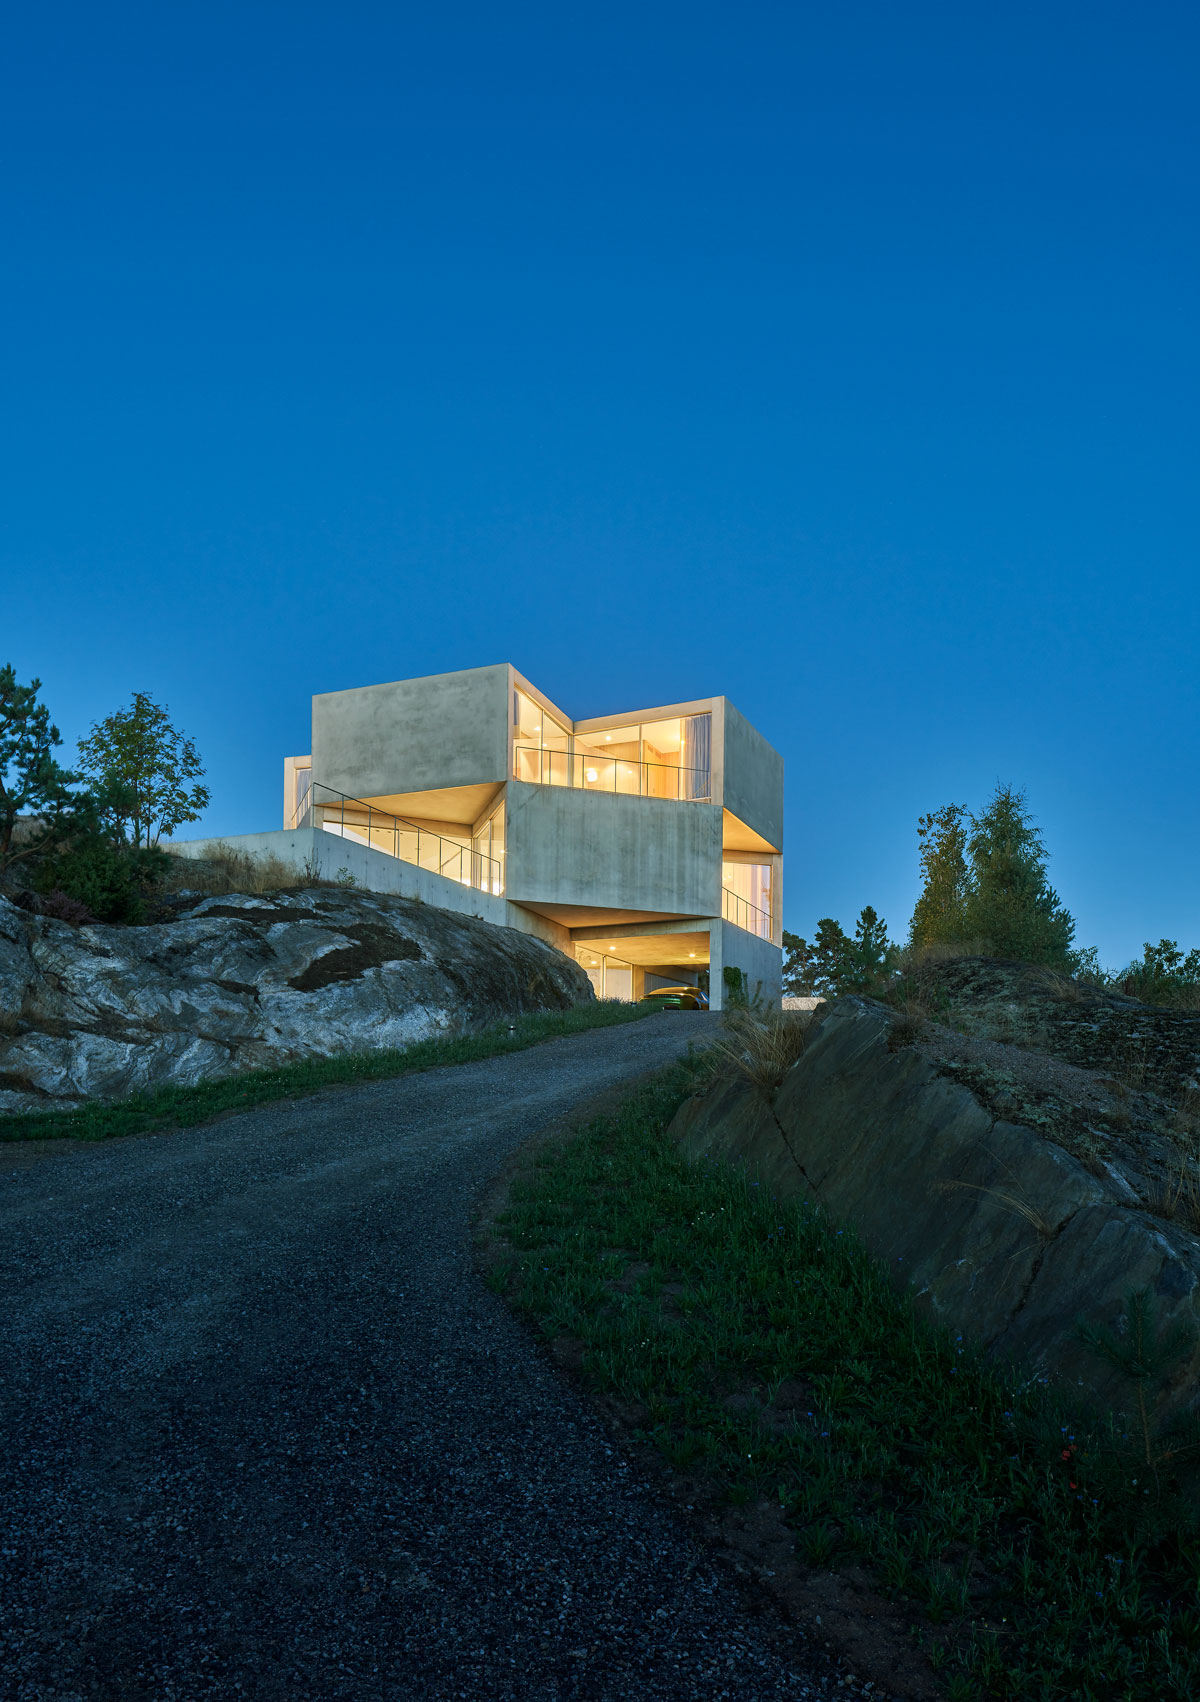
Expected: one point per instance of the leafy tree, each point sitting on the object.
(940, 913)
(145, 766)
(837, 962)
(32, 783)
(1009, 901)
(1165, 975)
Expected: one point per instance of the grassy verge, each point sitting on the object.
(768, 1355)
(177, 1107)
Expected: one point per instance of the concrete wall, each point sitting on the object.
(612, 851)
(375, 871)
(758, 959)
(413, 735)
(751, 774)
(328, 854)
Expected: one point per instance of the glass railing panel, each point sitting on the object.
(594, 773)
(377, 830)
(745, 915)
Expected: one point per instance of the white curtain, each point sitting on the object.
(696, 756)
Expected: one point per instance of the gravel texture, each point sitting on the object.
(268, 1435)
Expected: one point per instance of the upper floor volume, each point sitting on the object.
(440, 749)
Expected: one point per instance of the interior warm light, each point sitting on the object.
(592, 776)
(608, 736)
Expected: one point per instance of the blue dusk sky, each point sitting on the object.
(839, 359)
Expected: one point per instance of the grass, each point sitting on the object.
(180, 1107)
(759, 1049)
(224, 869)
(1017, 1537)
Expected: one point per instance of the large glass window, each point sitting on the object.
(488, 845)
(541, 744)
(671, 758)
(747, 896)
(610, 976)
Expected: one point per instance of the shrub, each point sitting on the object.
(112, 881)
(1165, 976)
(56, 905)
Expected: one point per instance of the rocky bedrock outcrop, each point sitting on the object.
(999, 1231)
(240, 983)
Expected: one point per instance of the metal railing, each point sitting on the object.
(591, 772)
(743, 914)
(366, 824)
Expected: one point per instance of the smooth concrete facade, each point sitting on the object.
(751, 776)
(640, 877)
(607, 851)
(760, 961)
(425, 735)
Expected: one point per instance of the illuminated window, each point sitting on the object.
(541, 744)
(488, 845)
(747, 888)
(611, 977)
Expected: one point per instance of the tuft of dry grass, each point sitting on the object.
(912, 1018)
(1132, 1058)
(226, 870)
(915, 958)
(760, 1049)
(1040, 979)
(1178, 1197)
(1013, 1200)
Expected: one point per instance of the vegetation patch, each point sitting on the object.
(181, 1107)
(372, 948)
(961, 1533)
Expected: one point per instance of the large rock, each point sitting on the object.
(242, 983)
(1000, 1232)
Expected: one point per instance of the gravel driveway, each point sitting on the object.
(267, 1435)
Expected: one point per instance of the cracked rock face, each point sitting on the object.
(999, 1231)
(241, 983)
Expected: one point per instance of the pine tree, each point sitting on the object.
(32, 784)
(837, 962)
(940, 913)
(1010, 902)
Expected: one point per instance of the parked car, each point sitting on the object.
(677, 999)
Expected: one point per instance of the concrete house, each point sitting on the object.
(646, 844)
